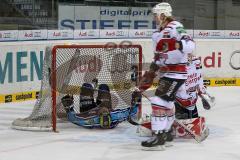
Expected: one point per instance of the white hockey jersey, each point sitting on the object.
(172, 61)
(187, 94)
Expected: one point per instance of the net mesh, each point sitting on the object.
(117, 67)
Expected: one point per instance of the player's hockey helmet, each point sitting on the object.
(164, 8)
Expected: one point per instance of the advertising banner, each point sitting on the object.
(220, 58)
(32, 34)
(87, 33)
(104, 17)
(20, 67)
(215, 34)
(21, 63)
(232, 34)
(60, 34)
(113, 33)
(11, 35)
(141, 33)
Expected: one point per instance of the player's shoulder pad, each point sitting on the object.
(174, 24)
(197, 62)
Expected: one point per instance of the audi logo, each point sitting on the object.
(235, 60)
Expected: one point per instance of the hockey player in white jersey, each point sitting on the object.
(171, 49)
(185, 105)
(187, 95)
(186, 100)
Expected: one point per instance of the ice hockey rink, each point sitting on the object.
(122, 143)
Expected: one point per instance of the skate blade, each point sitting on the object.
(156, 148)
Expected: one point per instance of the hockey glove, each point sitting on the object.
(136, 97)
(205, 102)
(146, 80)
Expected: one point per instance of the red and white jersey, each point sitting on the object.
(188, 93)
(172, 61)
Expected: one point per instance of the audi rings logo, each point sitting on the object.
(112, 46)
(235, 60)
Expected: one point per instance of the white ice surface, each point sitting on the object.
(122, 143)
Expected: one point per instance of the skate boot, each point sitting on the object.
(156, 142)
(169, 139)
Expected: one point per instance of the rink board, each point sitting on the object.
(21, 63)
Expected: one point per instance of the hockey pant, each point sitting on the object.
(163, 112)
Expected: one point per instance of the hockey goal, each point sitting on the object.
(67, 67)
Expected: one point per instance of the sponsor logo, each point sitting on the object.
(149, 33)
(226, 82)
(8, 98)
(123, 12)
(64, 34)
(203, 34)
(207, 82)
(235, 60)
(216, 34)
(212, 61)
(82, 34)
(83, 64)
(110, 34)
(24, 96)
(234, 34)
(28, 35)
(139, 33)
(87, 34)
(210, 34)
(38, 34)
(56, 34)
(120, 33)
(37, 95)
(112, 46)
(5, 35)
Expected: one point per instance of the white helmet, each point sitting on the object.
(164, 8)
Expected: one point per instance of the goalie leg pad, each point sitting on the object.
(86, 98)
(104, 96)
(196, 125)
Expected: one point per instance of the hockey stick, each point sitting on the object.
(130, 120)
(206, 103)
